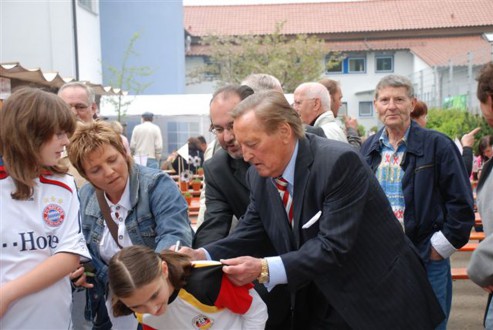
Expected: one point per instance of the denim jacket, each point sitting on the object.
(158, 217)
(436, 187)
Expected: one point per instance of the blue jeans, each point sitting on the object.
(488, 322)
(152, 163)
(441, 281)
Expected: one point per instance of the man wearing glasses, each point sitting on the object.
(312, 102)
(81, 99)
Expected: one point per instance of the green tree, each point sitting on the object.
(125, 78)
(455, 123)
(292, 60)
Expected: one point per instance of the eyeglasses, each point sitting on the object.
(218, 130)
(78, 107)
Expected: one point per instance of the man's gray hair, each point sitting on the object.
(395, 81)
(315, 90)
(262, 82)
(271, 109)
(91, 95)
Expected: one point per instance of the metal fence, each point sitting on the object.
(453, 85)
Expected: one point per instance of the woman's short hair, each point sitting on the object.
(420, 109)
(89, 137)
(117, 127)
(29, 118)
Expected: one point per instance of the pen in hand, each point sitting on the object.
(177, 246)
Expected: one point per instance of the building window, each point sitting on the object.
(212, 70)
(384, 63)
(333, 64)
(366, 109)
(356, 65)
(178, 133)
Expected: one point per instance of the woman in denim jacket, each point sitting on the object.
(145, 205)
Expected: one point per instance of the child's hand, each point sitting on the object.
(78, 278)
(5, 299)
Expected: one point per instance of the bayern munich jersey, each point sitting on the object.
(210, 301)
(30, 232)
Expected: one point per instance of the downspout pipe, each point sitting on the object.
(76, 44)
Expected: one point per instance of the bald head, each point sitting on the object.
(311, 99)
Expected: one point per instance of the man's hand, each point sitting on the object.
(434, 255)
(242, 270)
(78, 278)
(468, 139)
(350, 122)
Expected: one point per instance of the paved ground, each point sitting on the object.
(468, 302)
(78, 312)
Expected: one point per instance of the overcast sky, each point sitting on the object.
(249, 2)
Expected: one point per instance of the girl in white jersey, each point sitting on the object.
(168, 291)
(40, 235)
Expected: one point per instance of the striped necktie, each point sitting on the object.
(287, 200)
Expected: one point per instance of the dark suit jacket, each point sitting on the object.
(226, 194)
(315, 130)
(356, 254)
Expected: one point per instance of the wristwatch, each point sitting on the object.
(264, 273)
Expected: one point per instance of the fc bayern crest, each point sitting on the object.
(202, 322)
(53, 215)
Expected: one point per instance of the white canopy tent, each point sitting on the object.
(162, 105)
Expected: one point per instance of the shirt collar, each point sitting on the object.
(384, 138)
(288, 174)
(125, 199)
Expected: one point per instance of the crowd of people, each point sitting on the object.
(302, 224)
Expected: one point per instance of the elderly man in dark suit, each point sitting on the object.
(227, 193)
(332, 240)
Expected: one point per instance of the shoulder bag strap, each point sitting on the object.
(105, 209)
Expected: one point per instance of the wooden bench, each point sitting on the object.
(477, 219)
(469, 247)
(459, 274)
(476, 236)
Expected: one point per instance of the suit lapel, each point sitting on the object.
(239, 170)
(302, 171)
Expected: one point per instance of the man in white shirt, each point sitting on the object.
(147, 142)
(312, 102)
